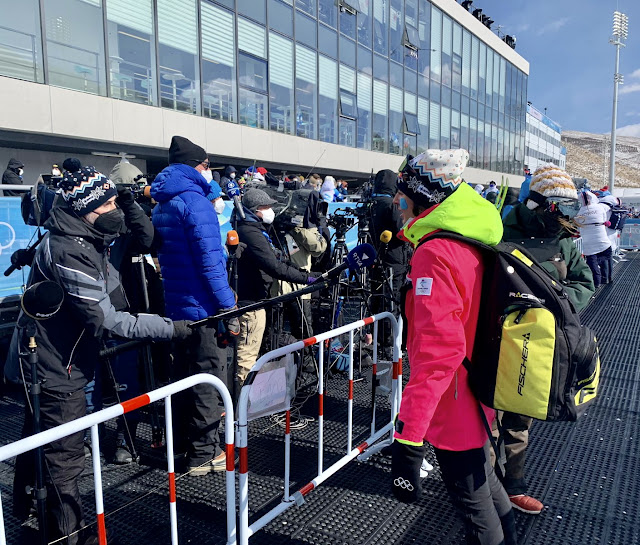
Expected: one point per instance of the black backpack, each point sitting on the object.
(618, 218)
(531, 354)
(37, 203)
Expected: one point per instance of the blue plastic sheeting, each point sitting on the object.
(630, 235)
(14, 234)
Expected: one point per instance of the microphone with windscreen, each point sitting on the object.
(363, 255)
(232, 241)
(232, 189)
(42, 300)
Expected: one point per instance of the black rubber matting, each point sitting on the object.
(586, 473)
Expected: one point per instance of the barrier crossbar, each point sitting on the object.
(93, 420)
(363, 450)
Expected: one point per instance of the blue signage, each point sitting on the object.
(14, 235)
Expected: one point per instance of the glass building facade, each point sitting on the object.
(393, 76)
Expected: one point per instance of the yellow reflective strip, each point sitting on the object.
(411, 443)
(586, 394)
(525, 364)
(522, 257)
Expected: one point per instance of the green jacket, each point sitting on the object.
(573, 271)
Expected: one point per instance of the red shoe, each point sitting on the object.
(526, 504)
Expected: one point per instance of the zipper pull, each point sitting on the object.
(520, 315)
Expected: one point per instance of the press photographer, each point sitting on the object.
(82, 225)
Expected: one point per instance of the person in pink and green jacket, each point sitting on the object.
(441, 308)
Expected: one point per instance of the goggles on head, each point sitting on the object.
(406, 170)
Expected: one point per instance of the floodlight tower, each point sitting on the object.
(618, 39)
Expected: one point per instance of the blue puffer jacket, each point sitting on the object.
(191, 255)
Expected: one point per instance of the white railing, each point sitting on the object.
(363, 450)
(93, 420)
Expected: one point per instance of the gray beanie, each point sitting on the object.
(254, 198)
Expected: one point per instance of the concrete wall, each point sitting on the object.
(44, 110)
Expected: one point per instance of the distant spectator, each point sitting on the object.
(596, 246)
(13, 176)
(328, 189)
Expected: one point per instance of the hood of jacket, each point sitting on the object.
(464, 212)
(124, 173)
(177, 179)
(15, 164)
(229, 170)
(63, 221)
(587, 198)
(385, 183)
(610, 201)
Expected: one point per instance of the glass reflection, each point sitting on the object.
(20, 41)
(75, 45)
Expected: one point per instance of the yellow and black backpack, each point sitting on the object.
(531, 354)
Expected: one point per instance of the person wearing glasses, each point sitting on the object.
(195, 285)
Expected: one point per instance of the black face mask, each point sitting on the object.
(110, 223)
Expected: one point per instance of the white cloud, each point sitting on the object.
(629, 130)
(635, 74)
(553, 26)
(628, 89)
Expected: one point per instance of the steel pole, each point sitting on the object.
(612, 159)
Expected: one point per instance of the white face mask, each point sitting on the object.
(55, 172)
(206, 174)
(20, 172)
(268, 215)
(232, 175)
(218, 206)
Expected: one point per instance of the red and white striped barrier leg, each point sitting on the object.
(3, 537)
(321, 404)
(287, 454)
(97, 479)
(173, 509)
(350, 398)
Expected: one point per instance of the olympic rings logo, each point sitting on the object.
(403, 483)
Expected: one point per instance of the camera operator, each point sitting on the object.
(258, 267)
(303, 243)
(195, 286)
(391, 269)
(74, 253)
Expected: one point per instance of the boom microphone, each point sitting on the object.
(361, 256)
(385, 238)
(42, 300)
(233, 192)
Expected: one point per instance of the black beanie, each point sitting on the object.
(72, 164)
(185, 151)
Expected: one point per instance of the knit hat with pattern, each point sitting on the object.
(86, 190)
(551, 181)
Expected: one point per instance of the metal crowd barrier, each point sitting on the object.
(363, 450)
(92, 421)
(630, 235)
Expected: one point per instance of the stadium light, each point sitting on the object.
(618, 39)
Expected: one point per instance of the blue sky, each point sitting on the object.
(571, 61)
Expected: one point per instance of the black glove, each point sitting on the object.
(181, 330)
(405, 470)
(227, 330)
(125, 197)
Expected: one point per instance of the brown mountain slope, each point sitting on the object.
(587, 157)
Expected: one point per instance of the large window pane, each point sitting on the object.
(365, 23)
(347, 51)
(348, 106)
(281, 83)
(381, 67)
(256, 9)
(307, 5)
(482, 72)
(365, 61)
(132, 61)
(252, 72)
(253, 109)
(466, 62)
(306, 29)
(75, 59)
(445, 128)
(218, 63)
(436, 44)
(20, 42)
(328, 99)
(447, 41)
(327, 41)
(424, 33)
(380, 112)
(178, 55)
(423, 123)
(252, 38)
(381, 26)
(280, 17)
(475, 66)
(364, 97)
(347, 22)
(306, 96)
(489, 80)
(456, 58)
(396, 31)
(328, 12)
(396, 120)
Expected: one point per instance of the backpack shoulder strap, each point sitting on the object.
(456, 236)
